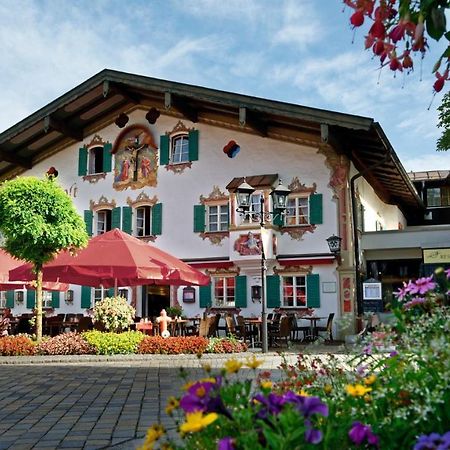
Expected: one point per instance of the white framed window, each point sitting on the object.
(294, 291)
(180, 149)
(104, 222)
(144, 221)
(224, 291)
(95, 160)
(254, 210)
(297, 211)
(216, 218)
(46, 299)
(2, 299)
(19, 297)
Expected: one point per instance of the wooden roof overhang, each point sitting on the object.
(99, 100)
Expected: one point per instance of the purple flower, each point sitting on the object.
(393, 354)
(414, 302)
(447, 272)
(422, 285)
(313, 405)
(402, 292)
(434, 441)
(272, 404)
(312, 435)
(197, 397)
(360, 433)
(226, 443)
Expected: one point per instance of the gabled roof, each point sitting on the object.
(99, 100)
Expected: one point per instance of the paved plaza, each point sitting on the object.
(93, 402)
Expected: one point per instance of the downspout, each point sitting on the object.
(358, 284)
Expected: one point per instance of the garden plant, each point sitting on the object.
(393, 393)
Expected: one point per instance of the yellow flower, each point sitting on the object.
(153, 434)
(188, 385)
(208, 380)
(357, 390)
(172, 404)
(367, 398)
(233, 365)
(370, 379)
(327, 388)
(253, 363)
(266, 384)
(196, 421)
(303, 393)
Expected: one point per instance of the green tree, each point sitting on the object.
(37, 220)
(443, 142)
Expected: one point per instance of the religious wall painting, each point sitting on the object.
(136, 159)
(248, 244)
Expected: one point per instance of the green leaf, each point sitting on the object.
(436, 23)
(437, 65)
(447, 35)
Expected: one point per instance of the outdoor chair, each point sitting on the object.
(222, 326)
(283, 333)
(213, 325)
(53, 326)
(328, 329)
(203, 329)
(299, 328)
(249, 332)
(231, 326)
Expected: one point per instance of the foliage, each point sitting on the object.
(37, 220)
(19, 345)
(443, 142)
(374, 399)
(114, 343)
(175, 311)
(225, 345)
(173, 345)
(114, 313)
(65, 344)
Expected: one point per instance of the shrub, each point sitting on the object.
(114, 313)
(114, 343)
(226, 345)
(66, 344)
(173, 345)
(19, 345)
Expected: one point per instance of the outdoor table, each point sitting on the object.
(178, 327)
(145, 327)
(313, 324)
(255, 322)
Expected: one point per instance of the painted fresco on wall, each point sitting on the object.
(136, 159)
(248, 244)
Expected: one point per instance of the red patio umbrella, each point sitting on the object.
(7, 263)
(116, 259)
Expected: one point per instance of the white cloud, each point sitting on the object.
(427, 161)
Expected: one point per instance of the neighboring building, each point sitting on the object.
(156, 158)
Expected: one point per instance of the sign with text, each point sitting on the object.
(436, 255)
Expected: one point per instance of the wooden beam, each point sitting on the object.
(61, 127)
(132, 98)
(329, 136)
(248, 118)
(181, 105)
(15, 159)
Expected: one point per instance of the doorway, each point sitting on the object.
(154, 299)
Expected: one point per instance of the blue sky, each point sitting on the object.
(298, 51)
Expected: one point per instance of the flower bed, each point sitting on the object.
(173, 345)
(388, 400)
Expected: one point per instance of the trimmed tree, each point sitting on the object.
(38, 220)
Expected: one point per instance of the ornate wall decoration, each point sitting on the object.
(298, 232)
(230, 271)
(97, 141)
(215, 237)
(297, 187)
(136, 159)
(215, 195)
(178, 168)
(103, 203)
(142, 200)
(248, 244)
(293, 269)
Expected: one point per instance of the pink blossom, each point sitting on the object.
(447, 272)
(402, 292)
(422, 285)
(416, 301)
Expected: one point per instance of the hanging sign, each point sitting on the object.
(436, 255)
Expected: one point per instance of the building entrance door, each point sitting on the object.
(154, 299)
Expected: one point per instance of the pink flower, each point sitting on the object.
(377, 30)
(402, 292)
(447, 272)
(357, 18)
(422, 285)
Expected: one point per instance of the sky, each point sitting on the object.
(297, 51)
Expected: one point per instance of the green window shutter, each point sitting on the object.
(313, 291)
(278, 219)
(164, 142)
(55, 299)
(107, 157)
(82, 161)
(88, 217)
(199, 218)
(241, 292)
(193, 145)
(205, 296)
(127, 224)
(315, 209)
(31, 299)
(157, 219)
(273, 291)
(115, 217)
(85, 297)
(110, 292)
(10, 299)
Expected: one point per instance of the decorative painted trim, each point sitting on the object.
(221, 271)
(93, 178)
(298, 232)
(339, 166)
(293, 269)
(298, 187)
(103, 203)
(179, 167)
(97, 141)
(142, 200)
(216, 195)
(215, 237)
(146, 238)
(180, 127)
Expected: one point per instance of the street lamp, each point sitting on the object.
(279, 198)
(334, 243)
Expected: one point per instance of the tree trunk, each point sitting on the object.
(39, 303)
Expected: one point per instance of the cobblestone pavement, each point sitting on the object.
(93, 402)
